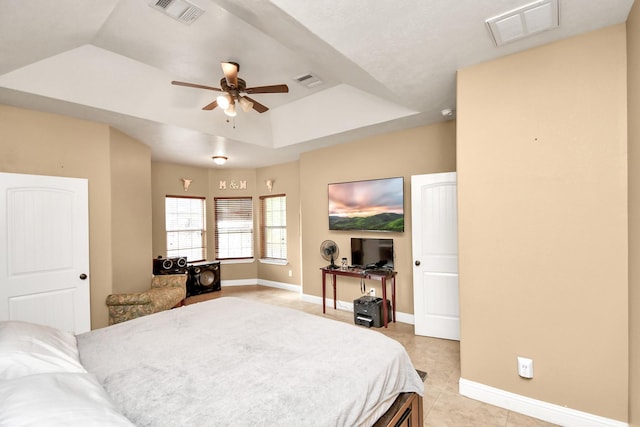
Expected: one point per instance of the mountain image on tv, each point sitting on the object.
(371, 205)
(379, 222)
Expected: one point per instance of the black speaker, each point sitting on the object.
(203, 277)
(170, 265)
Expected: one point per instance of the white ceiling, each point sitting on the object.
(386, 65)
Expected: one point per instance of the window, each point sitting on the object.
(234, 227)
(273, 227)
(185, 226)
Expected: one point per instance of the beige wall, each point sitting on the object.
(286, 180)
(633, 104)
(131, 216)
(49, 144)
(542, 182)
(166, 180)
(422, 150)
(234, 271)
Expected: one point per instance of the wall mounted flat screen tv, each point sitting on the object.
(371, 205)
(372, 253)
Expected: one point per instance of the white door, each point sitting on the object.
(435, 255)
(44, 251)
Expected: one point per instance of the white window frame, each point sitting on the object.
(185, 227)
(273, 229)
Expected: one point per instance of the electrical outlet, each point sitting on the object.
(372, 292)
(525, 367)
(290, 273)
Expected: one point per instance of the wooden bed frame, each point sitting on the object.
(406, 411)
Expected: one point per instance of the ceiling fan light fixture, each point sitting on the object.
(245, 104)
(231, 110)
(219, 160)
(223, 101)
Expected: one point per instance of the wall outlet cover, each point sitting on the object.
(525, 367)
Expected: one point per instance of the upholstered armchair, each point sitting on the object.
(167, 291)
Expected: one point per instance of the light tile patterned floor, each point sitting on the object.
(443, 405)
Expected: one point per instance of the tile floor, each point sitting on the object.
(443, 405)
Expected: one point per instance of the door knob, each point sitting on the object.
(417, 263)
(83, 276)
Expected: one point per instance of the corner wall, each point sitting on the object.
(633, 105)
(285, 178)
(542, 183)
(166, 180)
(427, 149)
(48, 144)
(130, 170)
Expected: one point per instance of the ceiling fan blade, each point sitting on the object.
(230, 70)
(268, 89)
(211, 106)
(256, 105)
(197, 86)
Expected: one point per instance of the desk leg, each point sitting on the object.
(385, 314)
(393, 297)
(324, 282)
(334, 292)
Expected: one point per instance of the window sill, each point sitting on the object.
(236, 261)
(274, 261)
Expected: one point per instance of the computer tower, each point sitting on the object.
(367, 311)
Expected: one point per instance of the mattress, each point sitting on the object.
(238, 362)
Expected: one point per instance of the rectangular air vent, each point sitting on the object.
(179, 10)
(527, 20)
(308, 80)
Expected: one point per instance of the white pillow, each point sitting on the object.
(57, 399)
(27, 348)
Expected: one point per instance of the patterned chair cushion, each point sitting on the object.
(167, 291)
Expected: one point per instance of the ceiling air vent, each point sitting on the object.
(179, 10)
(308, 80)
(525, 21)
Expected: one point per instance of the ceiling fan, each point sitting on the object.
(235, 89)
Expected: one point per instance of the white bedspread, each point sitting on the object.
(236, 362)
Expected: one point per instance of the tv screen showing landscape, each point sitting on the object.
(372, 205)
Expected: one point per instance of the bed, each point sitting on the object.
(238, 362)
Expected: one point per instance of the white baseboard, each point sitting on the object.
(269, 283)
(348, 306)
(341, 305)
(534, 408)
(240, 282)
(280, 285)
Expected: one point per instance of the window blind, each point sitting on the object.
(234, 227)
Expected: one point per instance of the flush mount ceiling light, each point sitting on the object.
(219, 160)
(525, 21)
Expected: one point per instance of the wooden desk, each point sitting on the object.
(366, 274)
